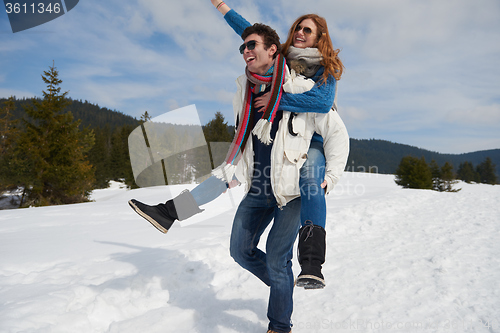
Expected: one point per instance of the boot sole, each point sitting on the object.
(147, 218)
(310, 282)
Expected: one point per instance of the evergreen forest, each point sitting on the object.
(56, 150)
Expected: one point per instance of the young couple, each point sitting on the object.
(290, 147)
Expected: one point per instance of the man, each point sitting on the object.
(260, 206)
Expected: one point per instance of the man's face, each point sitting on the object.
(258, 60)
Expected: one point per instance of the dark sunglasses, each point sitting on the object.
(307, 30)
(250, 45)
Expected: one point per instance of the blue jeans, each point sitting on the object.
(273, 267)
(208, 190)
(312, 174)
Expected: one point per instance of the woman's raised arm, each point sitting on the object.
(221, 6)
(235, 20)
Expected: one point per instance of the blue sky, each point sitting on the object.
(418, 72)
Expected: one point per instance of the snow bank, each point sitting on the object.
(398, 260)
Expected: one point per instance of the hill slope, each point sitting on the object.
(90, 114)
(384, 156)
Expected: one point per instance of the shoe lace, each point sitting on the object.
(308, 227)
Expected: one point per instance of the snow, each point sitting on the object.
(398, 260)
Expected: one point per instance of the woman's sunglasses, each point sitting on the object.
(250, 45)
(307, 30)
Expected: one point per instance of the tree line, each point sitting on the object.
(414, 172)
(56, 150)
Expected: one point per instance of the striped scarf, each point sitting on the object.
(262, 129)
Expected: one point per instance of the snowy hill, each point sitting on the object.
(398, 260)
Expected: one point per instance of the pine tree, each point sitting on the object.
(217, 130)
(448, 179)
(436, 176)
(467, 173)
(414, 173)
(99, 156)
(8, 137)
(120, 166)
(145, 117)
(443, 178)
(486, 171)
(53, 164)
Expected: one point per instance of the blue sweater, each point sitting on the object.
(319, 99)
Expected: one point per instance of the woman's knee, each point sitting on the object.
(313, 168)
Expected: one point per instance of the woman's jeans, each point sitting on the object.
(274, 267)
(312, 174)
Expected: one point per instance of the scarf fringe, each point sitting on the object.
(225, 172)
(263, 131)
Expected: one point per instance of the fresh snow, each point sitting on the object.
(398, 260)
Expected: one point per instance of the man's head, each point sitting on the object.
(261, 45)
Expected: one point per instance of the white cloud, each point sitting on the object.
(118, 93)
(10, 46)
(208, 93)
(6, 93)
(481, 115)
(194, 25)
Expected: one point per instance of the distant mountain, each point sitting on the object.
(90, 114)
(384, 156)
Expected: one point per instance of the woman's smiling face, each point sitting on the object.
(305, 34)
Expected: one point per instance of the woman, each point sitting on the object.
(309, 51)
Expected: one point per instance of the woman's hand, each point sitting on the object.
(221, 6)
(262, 101)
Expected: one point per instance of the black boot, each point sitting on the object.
(312, 249)
(162, 216)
